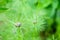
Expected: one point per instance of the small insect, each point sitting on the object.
(17, 24)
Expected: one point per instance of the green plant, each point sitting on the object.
(29, 19)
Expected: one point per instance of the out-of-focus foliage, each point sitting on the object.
(34, 16)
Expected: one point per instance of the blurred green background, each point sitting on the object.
(29, 19)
